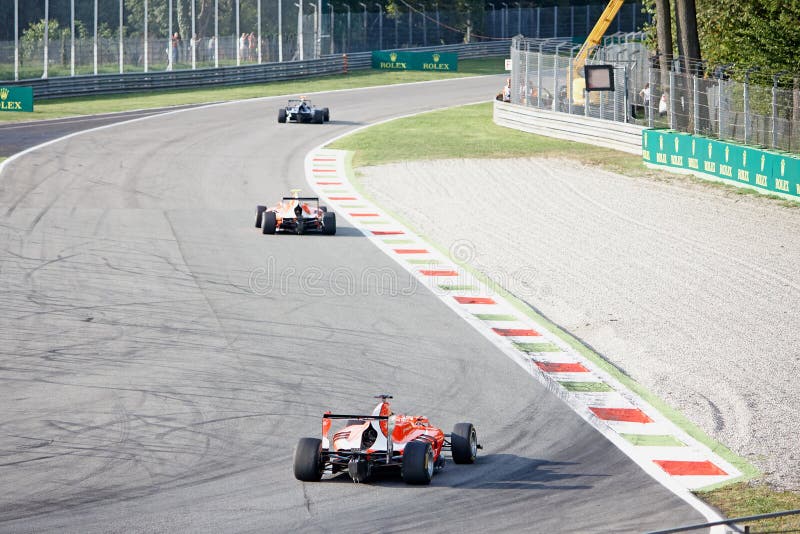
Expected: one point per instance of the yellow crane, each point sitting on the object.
(592, 40)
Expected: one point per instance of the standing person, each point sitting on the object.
(175, 43)
(251, 46)
(243, 46)
(211, 42)
(193, 47)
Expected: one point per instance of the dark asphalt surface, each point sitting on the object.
(145, 386)
(18, 136)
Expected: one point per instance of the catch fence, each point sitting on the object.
(721, 103)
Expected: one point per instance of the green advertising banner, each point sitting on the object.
(774, 172)
(16, 99)
(398, 60)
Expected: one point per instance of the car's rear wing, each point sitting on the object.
(305, 199)
(364, 417)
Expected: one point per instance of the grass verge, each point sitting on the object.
(67, 107)
(468, 132)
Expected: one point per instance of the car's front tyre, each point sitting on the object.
(308, 464)
(464, 443)
(282, 116)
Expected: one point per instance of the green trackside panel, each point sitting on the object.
(786, 174)
(16, 98)
(768, 171)
(427, 61)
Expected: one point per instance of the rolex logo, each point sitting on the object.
(710, 149)
(676, 144)
(3, 93)
(693, 147)
(783, 166)
(393, 57)
(744, 158)
(436, 58)
(763, 161)
(661, 142)
(727, 153)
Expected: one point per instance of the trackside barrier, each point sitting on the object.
(103, 84)
(766, 171)
(609, 134)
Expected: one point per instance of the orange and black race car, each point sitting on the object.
(296, 214)
(383, 440)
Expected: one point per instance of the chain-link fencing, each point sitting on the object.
(686, 98)
(223, 39)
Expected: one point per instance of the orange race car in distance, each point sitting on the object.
(296, 214)
(363, 446)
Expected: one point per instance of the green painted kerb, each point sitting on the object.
(429, 61)
(495, 317)
(447, 287)
(586, 387)
(754, 168)
(646, 440)
(16, 99)
(537, 347)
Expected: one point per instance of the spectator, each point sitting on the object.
(175, 41)
(211, 47)
(507, 91)
(252, 41)
(243, 47)
(193, 44)
(662, 105)
(645, 95)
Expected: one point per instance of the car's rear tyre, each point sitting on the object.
(418, 463)
(319, 117)
(269, 222)
(259, 213)
(281, 115)
(464, 443)
(329, 223)
(308, 465)
(326, 114)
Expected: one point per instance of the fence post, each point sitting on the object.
(748, 121)
(344, 62)
(539, 66)
(696, 107)
(775, 109)
(555, 78)
(671, 107)
(649, 103)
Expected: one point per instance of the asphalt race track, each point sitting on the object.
(159, 357)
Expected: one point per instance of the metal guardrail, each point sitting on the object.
(590, 130)
(104, 84)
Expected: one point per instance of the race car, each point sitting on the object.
(383, 440)
(296, 214)
(302, 110)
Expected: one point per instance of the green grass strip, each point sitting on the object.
(71, 107)
(586, 387)
(537, 347)
(646, 440)
(495, 317)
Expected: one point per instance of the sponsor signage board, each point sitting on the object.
(774, 172)
(428, 61)
(16, 98)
